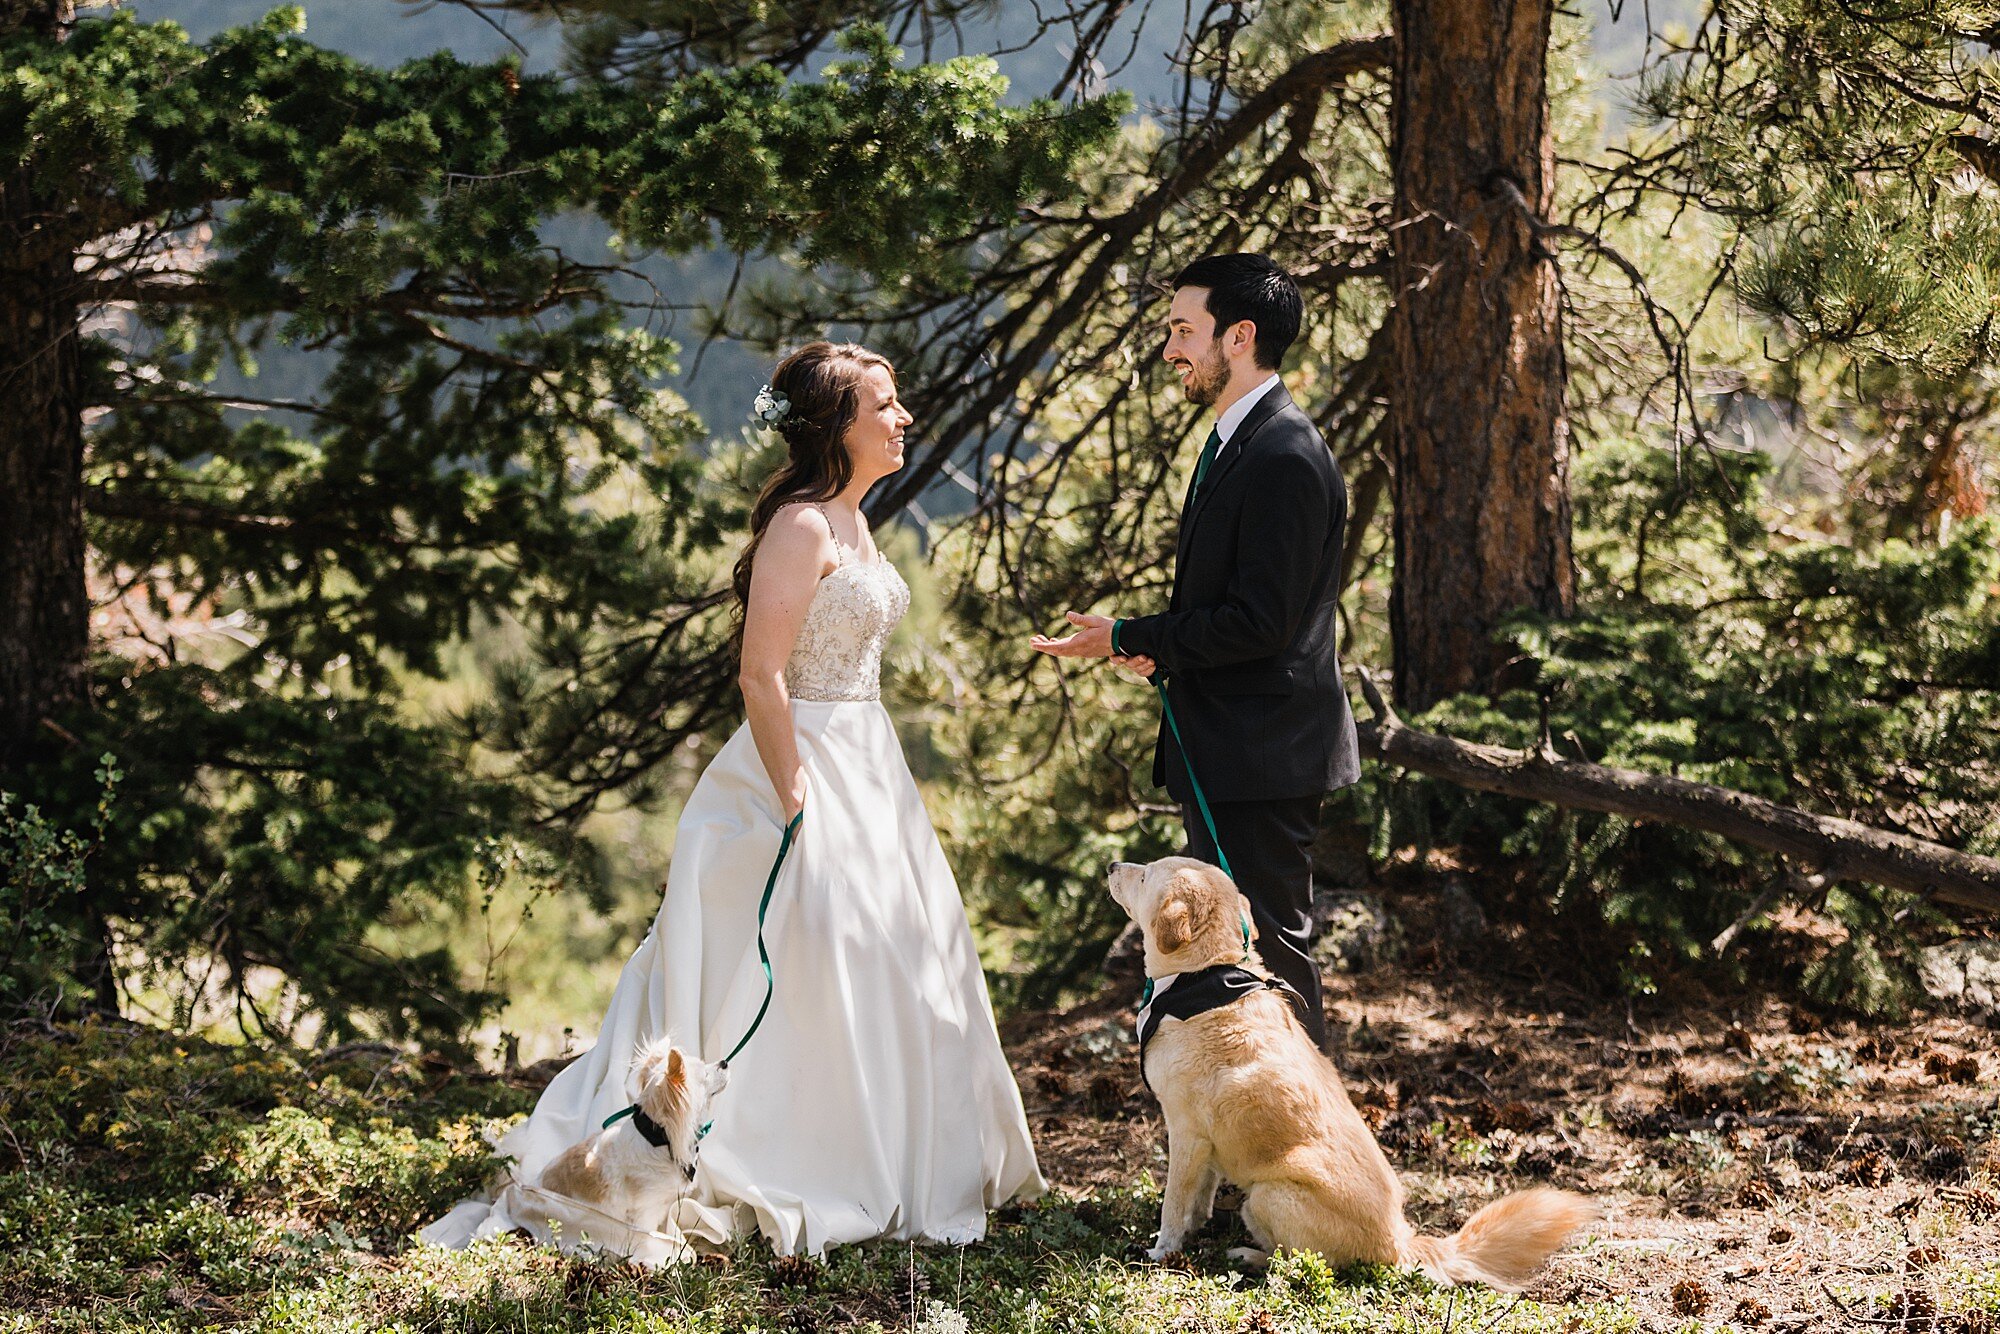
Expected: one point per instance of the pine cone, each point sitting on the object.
(916, 1282)
(1107, 1095)
(1876, 1047)
(1541, 1160)
(794, 1271)
(1258, 1321)
(1780, 1234)
(1914, 1308)
(1873, 1169)
(1946, 1068)
(1757, 1193)
(1972, 1322)
(1945, 1162)
(1979, 1201)
(1923, 1257)
(1690, 1298)
(1683, 1095)
(1628, 1117)
(1750, 1311)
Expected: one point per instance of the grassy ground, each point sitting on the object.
(1758, 1168)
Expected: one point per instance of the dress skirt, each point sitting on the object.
(874, 1100)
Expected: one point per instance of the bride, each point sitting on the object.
(874, 1100)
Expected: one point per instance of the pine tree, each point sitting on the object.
(1707, 268)
(1479, 387)
(488, 442)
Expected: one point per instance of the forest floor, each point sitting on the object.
(1759, 1167)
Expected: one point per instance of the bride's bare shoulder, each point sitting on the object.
(798, 536)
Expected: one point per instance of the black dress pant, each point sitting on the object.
(1269, 844)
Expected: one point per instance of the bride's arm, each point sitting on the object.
(795, 552)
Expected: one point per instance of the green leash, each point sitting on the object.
(1201, 804)
(763, 957)
(1187, 762)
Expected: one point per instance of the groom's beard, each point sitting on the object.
(1210, 377)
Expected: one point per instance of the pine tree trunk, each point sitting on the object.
(1481, 439)
(44, 612)
(44, 608)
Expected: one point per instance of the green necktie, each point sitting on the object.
(1208, 449)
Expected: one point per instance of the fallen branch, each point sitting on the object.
(1838, 849)
(1791, 883)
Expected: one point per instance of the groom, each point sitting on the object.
(1246, 645)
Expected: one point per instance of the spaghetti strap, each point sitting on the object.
(839, 551)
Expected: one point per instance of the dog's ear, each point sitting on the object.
(676, 1073)
(666, 1099)
(1173, 925)
(1186, 912)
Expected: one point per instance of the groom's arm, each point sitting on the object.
(1277, 558)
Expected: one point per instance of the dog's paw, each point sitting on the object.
(1249, 1257)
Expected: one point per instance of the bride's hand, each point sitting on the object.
(795, 800)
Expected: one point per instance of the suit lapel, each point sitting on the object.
(1191, 508)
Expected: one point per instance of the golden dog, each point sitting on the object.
(1249, 1098)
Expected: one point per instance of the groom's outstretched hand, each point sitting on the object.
(1091, 640)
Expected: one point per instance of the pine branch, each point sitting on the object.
(1840, 849)
(152, 288)
(1205, 151)
(180, 512)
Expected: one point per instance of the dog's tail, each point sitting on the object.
(1504, 1243)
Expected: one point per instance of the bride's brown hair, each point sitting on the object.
(823, 382)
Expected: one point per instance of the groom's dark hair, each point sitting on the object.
(1250, 287)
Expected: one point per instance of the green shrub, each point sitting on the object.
(43, 933)
(1854, 683)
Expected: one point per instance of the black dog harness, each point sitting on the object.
(1185, 995)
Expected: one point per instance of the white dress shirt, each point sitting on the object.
(1226, 425)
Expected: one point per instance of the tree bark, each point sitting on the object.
(44, 605)
(1480, 436)
(1839, 849)
(44, 610)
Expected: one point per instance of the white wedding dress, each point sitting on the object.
(875, 1100)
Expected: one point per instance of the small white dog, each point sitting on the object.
(636, 1168)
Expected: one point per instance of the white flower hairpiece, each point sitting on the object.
(771, 407)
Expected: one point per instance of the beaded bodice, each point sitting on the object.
(839, 650)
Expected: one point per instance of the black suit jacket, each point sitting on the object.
(1248, 638)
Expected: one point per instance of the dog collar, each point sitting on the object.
(649, 1130)
(1145, 997)
(1185, 995)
